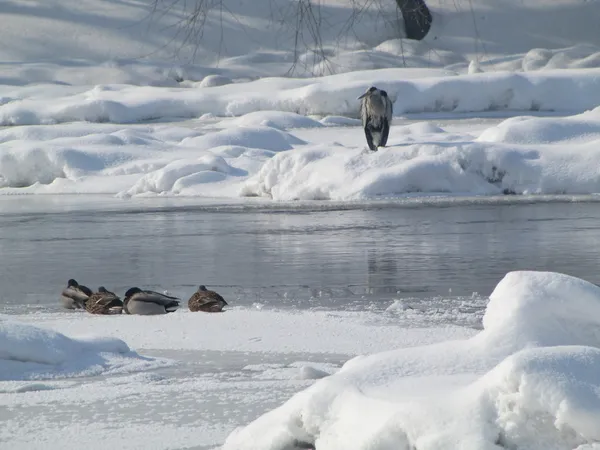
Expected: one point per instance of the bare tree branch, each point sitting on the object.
(305, 17)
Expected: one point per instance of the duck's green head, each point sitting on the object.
(72, 283)
(202, 288)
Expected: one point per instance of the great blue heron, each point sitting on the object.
(376, 114)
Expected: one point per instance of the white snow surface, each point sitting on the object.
(146, 43)
(411, 91)
(286, 156)
(528, 380)
(230, 368)
(31, 353)
(111, 97)
(251, 330)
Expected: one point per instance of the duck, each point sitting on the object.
(104, 302)
(205, 300)
(147, 303)
(75, 295)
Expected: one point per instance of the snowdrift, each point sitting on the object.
(522, 155)
(264, 154)
(89, 42)
(31, 353)
(527, 380)
(339, 333)
(412, 91)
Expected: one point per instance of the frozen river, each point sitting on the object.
(312, 256)
(309, 287)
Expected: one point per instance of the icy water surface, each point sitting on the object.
(309, 286)
(308, 257)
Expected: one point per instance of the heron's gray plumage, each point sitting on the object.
(75, 295)
(376, 115)
(148, 303)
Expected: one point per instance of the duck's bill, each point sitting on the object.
(362, 96)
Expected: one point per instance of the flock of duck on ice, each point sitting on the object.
(376, 115)
(137, 301)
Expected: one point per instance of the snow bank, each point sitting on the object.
(211, 168)
(521, 155)
(321, 173)
(527, 380)
(413, 91)
(77, 158)
(262, 152)
(90, 42)
(276, 119)
(178, 175)
(529, 130)
(263, 137)
(252, 156)
(28, 352)
(252, 330)
(230, 368)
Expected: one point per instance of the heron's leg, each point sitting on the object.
(369, 137)
(385, 131)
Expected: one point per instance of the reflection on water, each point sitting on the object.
(340, 259)
(382, 272)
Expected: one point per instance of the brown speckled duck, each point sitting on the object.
(104, 302)
(75, 295)
(206, 301)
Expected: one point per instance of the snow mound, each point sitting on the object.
(544, 309)
(528, 130)
(418, 53)
(411, 90)
(75, 158)
(546, 397)
(153, 44)
(180, 174)
(420, 128)
(527, 380)
(579, 56)
(324, 173)
(256, 137)
(311, 373)
(540, 91)
(340, 121)
(297, 370)
(276, 119)
(214, 80)
(31, 353)
(522, 155)
(22, 166)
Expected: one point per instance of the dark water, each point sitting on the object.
(331, 258)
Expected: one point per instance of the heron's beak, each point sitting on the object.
(362, 96)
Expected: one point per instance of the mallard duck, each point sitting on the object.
(148, 303)
(205, 300)
(104, 302)
(75, 295)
